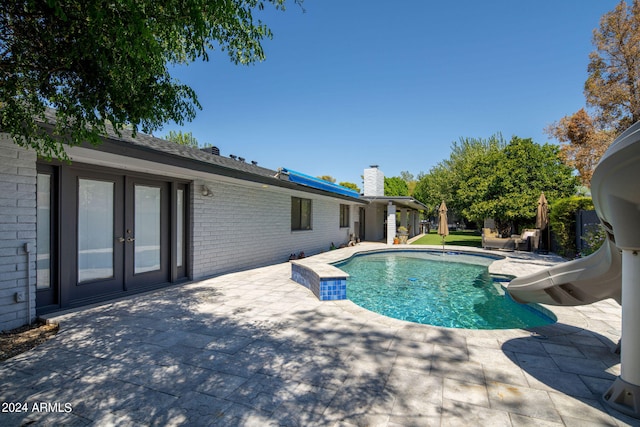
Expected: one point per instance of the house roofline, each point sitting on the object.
(119, 147)
(157, 150)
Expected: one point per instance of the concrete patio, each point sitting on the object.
(254, 348)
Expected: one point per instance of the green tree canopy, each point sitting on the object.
(328, 178)
(406, 176)
(411, 181)
(97, 62)
(488, 178)
(395, 186)
(434, 187)
(181, 138)
(350, 185)
(444, 179)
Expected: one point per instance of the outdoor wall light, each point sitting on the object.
(206, 192)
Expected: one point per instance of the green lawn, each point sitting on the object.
(459, 238)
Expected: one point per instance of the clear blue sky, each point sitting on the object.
(352, 83)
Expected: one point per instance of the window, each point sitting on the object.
(344, 215)
(300, 214)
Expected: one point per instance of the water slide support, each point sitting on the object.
(624, 393)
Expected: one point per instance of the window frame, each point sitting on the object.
(345, 213)
(301, 214)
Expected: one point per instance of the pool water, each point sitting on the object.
(452, 290)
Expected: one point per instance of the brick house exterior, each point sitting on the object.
(17, 233)
(235, 215)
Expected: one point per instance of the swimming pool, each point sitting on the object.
(453, 290)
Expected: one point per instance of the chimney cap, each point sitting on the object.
(373, 166)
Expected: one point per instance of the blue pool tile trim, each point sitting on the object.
(325, 288)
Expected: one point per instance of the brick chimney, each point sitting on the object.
(373, 182)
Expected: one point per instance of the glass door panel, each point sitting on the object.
(180, 227)
(47, 290)
(43, 226)
(95, 230)
(147, 215)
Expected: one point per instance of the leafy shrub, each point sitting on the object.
(562, 219)
(594, 237)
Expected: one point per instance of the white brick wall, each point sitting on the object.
(242, 227)
(373, 182)
(17, 227)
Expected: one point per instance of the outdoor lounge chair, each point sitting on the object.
(527, 241)
(492, 240)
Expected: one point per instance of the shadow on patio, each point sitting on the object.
(189, 356)
(575, 362)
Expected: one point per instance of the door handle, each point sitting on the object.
(130, 239)
(120, 239)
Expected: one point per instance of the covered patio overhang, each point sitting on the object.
(382, 223)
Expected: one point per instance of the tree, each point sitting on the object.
(410, 180)
(328, 178)
(350, 185)
(186, 138)
(395, 186)
(100, 64)
(488, 178)
(406, 176)
(443, 181)
(434, 187)
(583, 142)
(613, 83)
(612, 91)
(525, 170)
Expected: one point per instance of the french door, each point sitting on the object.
(146, 233)
(94, 263)
(116, 234)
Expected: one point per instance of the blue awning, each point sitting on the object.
(321, 184)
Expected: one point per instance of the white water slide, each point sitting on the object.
(611, 272)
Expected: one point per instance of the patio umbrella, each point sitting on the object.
(443, 223)
(542, 216)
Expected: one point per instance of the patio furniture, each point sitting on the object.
(527, 241)
(492, 240)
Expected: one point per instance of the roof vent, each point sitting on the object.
(211, 150)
